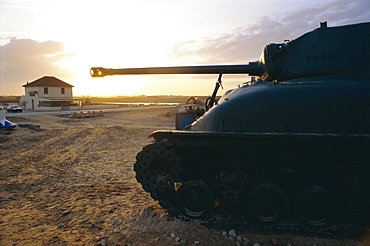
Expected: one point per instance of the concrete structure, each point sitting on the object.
(49, 93)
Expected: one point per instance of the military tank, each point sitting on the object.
(287, 152)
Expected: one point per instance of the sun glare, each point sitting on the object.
(116, 38)
(130, 34)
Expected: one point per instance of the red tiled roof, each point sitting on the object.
(49, 81)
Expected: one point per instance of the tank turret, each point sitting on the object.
(324, 51)
(291, 149)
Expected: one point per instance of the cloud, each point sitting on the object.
(23, 60)
(246, 44)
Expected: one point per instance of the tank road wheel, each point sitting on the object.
(157, 168)
(315, 207)
(195, 199)
(267, 203)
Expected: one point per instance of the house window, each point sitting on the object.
(46, 90)
(63, 90)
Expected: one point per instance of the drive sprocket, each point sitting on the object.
(158, 168)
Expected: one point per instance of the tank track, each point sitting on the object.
(160, 170)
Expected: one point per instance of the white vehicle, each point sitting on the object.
(14, 109)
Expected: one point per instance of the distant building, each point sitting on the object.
(9, 100)
(49, 93)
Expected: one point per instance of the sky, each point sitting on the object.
(65, 38)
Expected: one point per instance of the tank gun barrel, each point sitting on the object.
(289, 60)
(251, 68)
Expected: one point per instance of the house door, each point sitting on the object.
(33, 104)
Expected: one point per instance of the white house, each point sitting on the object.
(49, 93)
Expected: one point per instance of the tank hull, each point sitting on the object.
(295, 151)
(337, 105)
(286, 172)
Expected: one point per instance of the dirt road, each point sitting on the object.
(72, 183)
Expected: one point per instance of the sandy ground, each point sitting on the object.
(72, 183)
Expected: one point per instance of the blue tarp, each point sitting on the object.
(6, 124)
